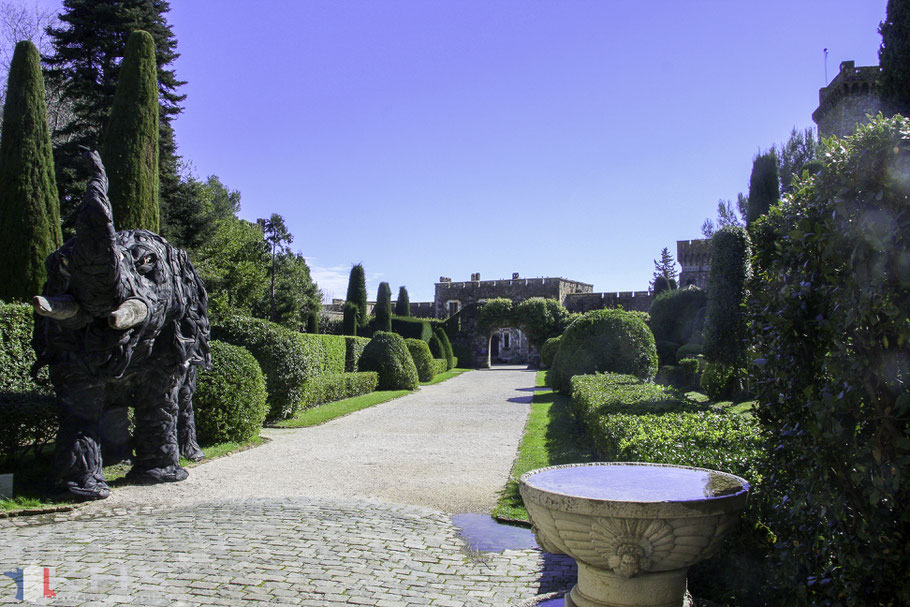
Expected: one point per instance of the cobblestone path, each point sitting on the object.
(315, 550)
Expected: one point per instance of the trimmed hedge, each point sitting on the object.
(463, 355)
(440, 365)
(412, 328)
(230, 401)
(446, 347)
(611, 340)
(423, 360)
(16, 353)
(677, 315)
(387, 354)
(436, 347)
(287, 358)
(548, 351)
(28, 422)
(353, 349)
(330, 387)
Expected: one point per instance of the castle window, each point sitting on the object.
(506, 341)
(453, 305)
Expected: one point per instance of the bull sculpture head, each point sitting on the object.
(121, 323)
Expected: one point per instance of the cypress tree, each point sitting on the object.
(764, 186)
(312, 322)
(403, 304)
(894, 57)
(130, 150)
(725, 325)
(383, 309)
(447, 351)
(29, 207)
(357, 293)
(349, 322)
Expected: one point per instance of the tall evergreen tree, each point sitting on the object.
(894, 57)
(357, 293)
(725, 325)
(403, 304)
(130, 151)
(764, 186)
(278, 237)
(383, 309)
(88, 49)
(666, 269)
(349, 321)
(29, 208)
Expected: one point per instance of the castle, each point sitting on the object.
(845, 102)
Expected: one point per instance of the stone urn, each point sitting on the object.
(633, 528)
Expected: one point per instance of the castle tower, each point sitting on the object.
(694, 256)
(845, 102)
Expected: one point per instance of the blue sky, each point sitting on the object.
(571, 138)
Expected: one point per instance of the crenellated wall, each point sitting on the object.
(694, 256)
(629, 300)
(845, 102)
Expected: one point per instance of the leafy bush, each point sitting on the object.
(387, 354)
(447, 352)
(719, 381)
(540, 319)
(688, 351)
(28, 422)
(666, 352)
(423, 359)
(230, 401)
(675, 315)
(436, 347)
(548, 351)
(287, 358)
(494, 313)
(16, 353)
(830, 320)
(725, 323)
(605, 340)
(463, 354)
(330, 387)
(353, 350)
(413, 328)
(440, 365)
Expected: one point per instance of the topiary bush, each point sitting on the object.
(666, 352)
(719, 381)
(349, 323)
(387, 354)
(463, 354)
(675, 315)
(230, 401)
(331, 387)
(548, 351)
(611, 340)
(416, 328)
(436, 347)
(28, 422)
(353, 350)
(440, 365)
(423, 359)
(16, 352)
(447, 352)
(725, 322)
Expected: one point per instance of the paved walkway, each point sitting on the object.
(354, 512)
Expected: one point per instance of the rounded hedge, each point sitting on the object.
(675, 315)
(446, 347)
(388, 355)
(548, 351)
(423, 359)
(230, 400)
(609, 340)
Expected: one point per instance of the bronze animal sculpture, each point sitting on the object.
(122, 322)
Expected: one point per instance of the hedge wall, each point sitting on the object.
(16, 353)
(330, 387)
(353, 349)
(423, 360)
(412, 328)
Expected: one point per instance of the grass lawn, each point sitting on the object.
(444, 376)
(551, 437)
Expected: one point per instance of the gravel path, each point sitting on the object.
(449, 446)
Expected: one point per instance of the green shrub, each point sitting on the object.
(287, 358)
(230, 401)
(605, 340)
(436, 347)
(540, 319)
(331, 387)
(312, 322)
(357, 295)
(350, 324)
(463, 354)
(548, 351)
(719, 381)
(725, 323)
(383, 308)
(28, 422)
(423, 359)
(688, 351)
(446, 347)
(353, 350)
(666, 352)
(403, 303)
(440, 365)
(412, 328)
(387, 354)
(16, 353)
(683, 376)
(676, 315)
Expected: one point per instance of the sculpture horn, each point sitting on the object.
(58, 308)
(130, 313)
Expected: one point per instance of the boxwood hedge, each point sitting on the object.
(412, 328)
(353, 350)
(423, 360)
(330, 387)
(387, 354)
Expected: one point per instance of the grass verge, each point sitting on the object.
(329, 411)
(444, 376)
(551, 437)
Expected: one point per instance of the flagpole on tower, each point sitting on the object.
(826, 67)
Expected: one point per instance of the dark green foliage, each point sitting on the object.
(86, 64)
(894, 57)
(540, 319)
(383, 309)
(388, 355)
(683, 375)
(661, 284)
(312, 322)
(725, 325)
(296, 295)
(29, 207)
(436, 347)
(797, 155)
(720, 381)
(416, 328)
(605, 340)
(666, 352)
(764, 186)
(28, 422)
(287, 358)
(463, 355)
(449, 355)
(495, 313)
(230, 401)
(830, 322)
(688, 351)
(403, 304)
(331, 387)
(675, 315)
(16, 352)
(548, 351)
(353, 351)
(423, 359)
(357, 294)
(130, 151)
(440, 365)
(664, 272)
(350, 324)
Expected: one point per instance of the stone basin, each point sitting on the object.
(633, 528)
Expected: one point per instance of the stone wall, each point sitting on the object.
(629, 300)
(423, 309)
(845, 102)
(516, 289)
(694, 256)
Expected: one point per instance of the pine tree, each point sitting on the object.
(130, 152)
(665, 268)
(29, 208)
(894, 57)
(403, 304)
(357, 294)
(764, 186)
(383, 310)
(88, 48)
